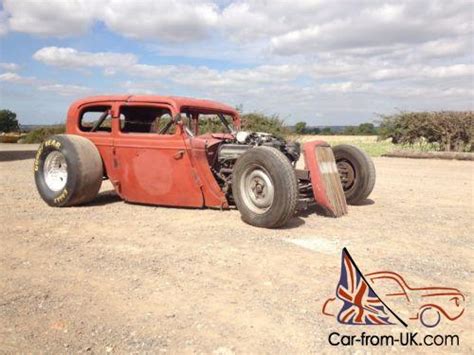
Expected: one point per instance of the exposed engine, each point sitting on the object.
(231, 149)
(247, 140)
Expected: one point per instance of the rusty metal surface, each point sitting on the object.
(173, 169)
(327, 188)
(170, 170)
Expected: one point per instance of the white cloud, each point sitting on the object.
(288, 28)
(372, 24)
(168, 20)
(242, 23)
(128, 65)
(351, 56)
(447, 47)
(418, 71)
(18, 79)
(71, 58)
(448, 71)
(280, 86)
(45, 85)
(65, 89)
(52, 17)
(386, 13)
(346, 87)
(10, 66)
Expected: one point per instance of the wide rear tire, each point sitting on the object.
(264, 187)
(357, 172)
(68, 170)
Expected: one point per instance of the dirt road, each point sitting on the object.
(116, 277)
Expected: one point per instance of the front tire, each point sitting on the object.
(357, 172)
(264, 187)
(68, 170)
(430, 317)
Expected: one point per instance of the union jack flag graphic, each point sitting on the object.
(361, 305)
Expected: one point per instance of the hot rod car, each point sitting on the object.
(152, 151)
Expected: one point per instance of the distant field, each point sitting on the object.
(368, 143)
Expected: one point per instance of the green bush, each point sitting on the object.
(211, 125)
(40, 134)
(444, 130)
(258, 122)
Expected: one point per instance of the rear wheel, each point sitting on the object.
(68, 170)
(264, 187)
(357, 172)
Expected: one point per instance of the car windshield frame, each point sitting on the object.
(193, 114)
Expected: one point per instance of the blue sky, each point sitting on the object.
(324, 62)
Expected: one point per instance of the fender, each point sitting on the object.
(327, 188)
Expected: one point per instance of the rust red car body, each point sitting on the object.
(170, 170)
(151, 168)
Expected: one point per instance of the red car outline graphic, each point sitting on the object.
(446, 301)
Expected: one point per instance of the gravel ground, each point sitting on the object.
(117, 277)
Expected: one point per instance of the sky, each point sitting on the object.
(325, 62)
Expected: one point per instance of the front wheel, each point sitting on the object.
(357, 172)
(430, 317)
(264, 187)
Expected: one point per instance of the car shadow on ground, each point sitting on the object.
(366, 202)
(110, 196)
(300, 215)
(104, 198)
(295, 222)
(12, 155)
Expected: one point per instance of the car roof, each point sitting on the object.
(386, 274)
(178, 102)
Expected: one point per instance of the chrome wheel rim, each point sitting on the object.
(55, 171)
(258, 190)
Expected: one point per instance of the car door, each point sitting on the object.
(394, 294)
(154, 167)
(95, 123)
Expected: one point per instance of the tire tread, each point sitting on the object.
(280, 163)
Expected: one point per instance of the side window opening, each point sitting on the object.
(137, 119)
(96, 119)
(388, 286)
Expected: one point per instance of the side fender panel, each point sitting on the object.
(213, 195)
(327, 188)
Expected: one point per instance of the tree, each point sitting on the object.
(8, 121)
(350, 131)
(300, 128)
(366, 129)
(312, 130)
(326, 131)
